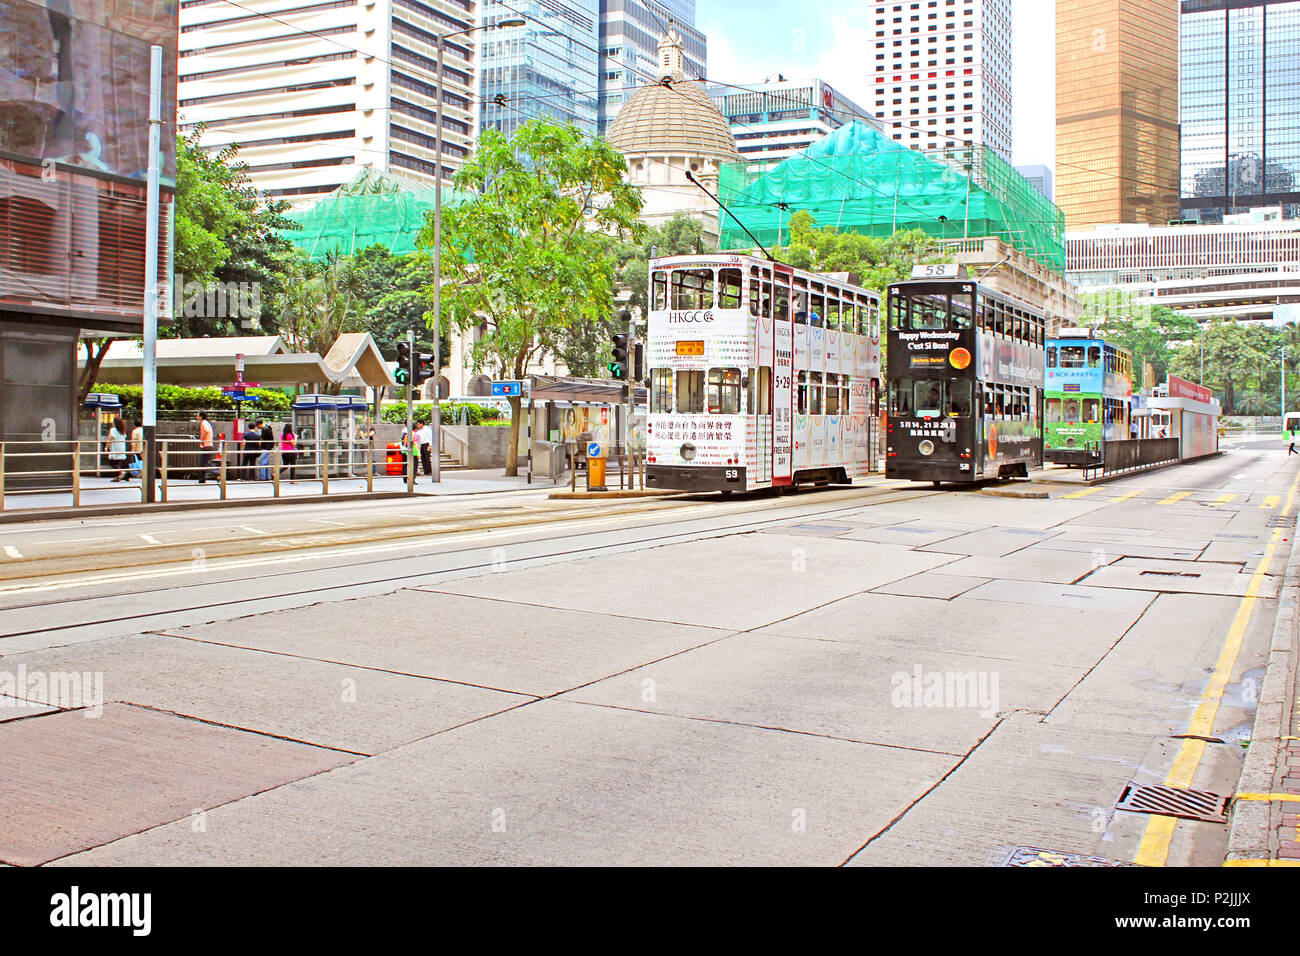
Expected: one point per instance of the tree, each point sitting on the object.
(392, 298)
(1148, 331)
(225, 233)
(1237, 358)
(320, 302)
(523, 258)
(877, 261)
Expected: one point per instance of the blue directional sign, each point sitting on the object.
(593, 449)
(507, 389)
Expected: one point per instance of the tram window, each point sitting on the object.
(692, 288)
(817, 309)
(930, 313)
(659, 291)
(690, 392)
(988, 401)
(832, 394)
(900, 397)
(801, 394)
(781, 300)
(1090, 411)
(661, 391)
(724, 391)
(1051, 357)
(1071, 356)
(764, 390)
(800, 304)
(960, 310)
(1054, 411)
(874, 311)
(760, 293)
(898, 317)
(850, 318)
(959, 398)
(1094, 356)
(833, 313)
(728, 288)
(1071, 412)
(815, 393)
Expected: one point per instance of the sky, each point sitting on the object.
(835, 43)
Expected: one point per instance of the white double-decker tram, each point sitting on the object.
(761, 375)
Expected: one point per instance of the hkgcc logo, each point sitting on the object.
(946, 689)
(67, 690)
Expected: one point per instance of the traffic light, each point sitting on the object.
(638, 362)
(619, 367)
(403, 371)
(424, 369)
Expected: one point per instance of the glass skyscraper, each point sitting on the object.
(549, 67)
(630, 31)
(1240, 107)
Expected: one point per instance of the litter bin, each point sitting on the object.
(596, 474)
(394, 463)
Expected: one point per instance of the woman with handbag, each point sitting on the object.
(289, 451)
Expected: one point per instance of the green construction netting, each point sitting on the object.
(861, 181)
(374, 208)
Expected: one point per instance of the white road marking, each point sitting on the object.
(252, 530)
(12, 552)
(149, 539)
(341, 524)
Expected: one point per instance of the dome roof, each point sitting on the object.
(674, 117)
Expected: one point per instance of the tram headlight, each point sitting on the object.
(688, 452)
(926, 448)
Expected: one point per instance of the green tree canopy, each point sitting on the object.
(876, 261)
(524, 259)
(1150, 332)
(1241, 359)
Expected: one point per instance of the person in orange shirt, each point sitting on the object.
(207, 448)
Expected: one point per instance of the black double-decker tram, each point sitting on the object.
(965, 371)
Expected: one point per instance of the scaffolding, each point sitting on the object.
(373, 208)
(859, 180)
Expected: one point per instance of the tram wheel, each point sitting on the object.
(726, 492)
(935, 483)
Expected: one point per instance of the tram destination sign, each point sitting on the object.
(690, 347)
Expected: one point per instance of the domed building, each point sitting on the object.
(664, 131)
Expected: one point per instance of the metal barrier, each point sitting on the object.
(29, 469)
(1133, 454)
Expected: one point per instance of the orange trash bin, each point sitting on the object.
(394, 462)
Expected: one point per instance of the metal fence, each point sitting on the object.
(53, 468)
(1118, 457)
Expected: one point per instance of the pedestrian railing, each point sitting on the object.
(38, 470)
(1134, 454)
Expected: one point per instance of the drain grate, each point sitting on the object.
(1170, 574)
(1174, 802)
(1281, 521)
(1034, 856)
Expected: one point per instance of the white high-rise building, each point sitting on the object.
(941, 70)
(314, 91)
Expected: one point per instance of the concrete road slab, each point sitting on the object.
(1106, 551)
(1028, 784)
(1035, 594)
(1187, 577)
(362, 710)
(991, 542)
(562, 783)
(1121, 541)
(12, 708)
(1148, 683)
(844, 689)
(1145, 517)
(71, 783)
(519, 647)
(1053, 567)
(738, 582)
(933, 584)
(1067, 636)
(908, 534)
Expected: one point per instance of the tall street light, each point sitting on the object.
(436, 424)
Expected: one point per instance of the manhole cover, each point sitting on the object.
(1033, 856)
(1174, 802)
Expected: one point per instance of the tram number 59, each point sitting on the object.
(732, 474)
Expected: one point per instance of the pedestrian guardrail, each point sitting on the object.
(41, 469)
(1133, 454)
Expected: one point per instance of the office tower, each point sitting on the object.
(629, 43)
(942, 72)
(1038, 176)
(549, 67)
(1240, 107)
(1116, 111)
(317, 92)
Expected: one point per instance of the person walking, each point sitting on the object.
(266, 442)
(207, 448)
(424, 440)
(115, 448)
(289, 452)
(136, 463)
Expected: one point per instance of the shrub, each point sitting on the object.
(176, 398)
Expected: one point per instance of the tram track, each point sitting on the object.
(490, 560)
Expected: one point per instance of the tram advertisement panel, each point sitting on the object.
(783, 404)
(1013, 374)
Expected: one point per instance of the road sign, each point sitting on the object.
(507, 389)
(593, 449)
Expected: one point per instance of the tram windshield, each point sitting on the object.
(932, 313)
(931, 398)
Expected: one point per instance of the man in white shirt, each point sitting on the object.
(424, 441)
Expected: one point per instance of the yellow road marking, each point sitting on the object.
(1175, 498)
(1083, 494)
(1224, 499)
(1154, 847)
(1129, 495)
(1261, 862)
(1271, 501)
(1292, 797)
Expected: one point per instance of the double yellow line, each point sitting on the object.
(1154, 847)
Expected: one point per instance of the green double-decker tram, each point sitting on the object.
(1089, 397)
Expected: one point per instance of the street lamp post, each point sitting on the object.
(436, 424)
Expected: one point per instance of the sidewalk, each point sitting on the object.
(1265, 828)
(96, 492)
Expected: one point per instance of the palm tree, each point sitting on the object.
(319, 303)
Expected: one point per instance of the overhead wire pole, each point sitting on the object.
(149, 363)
